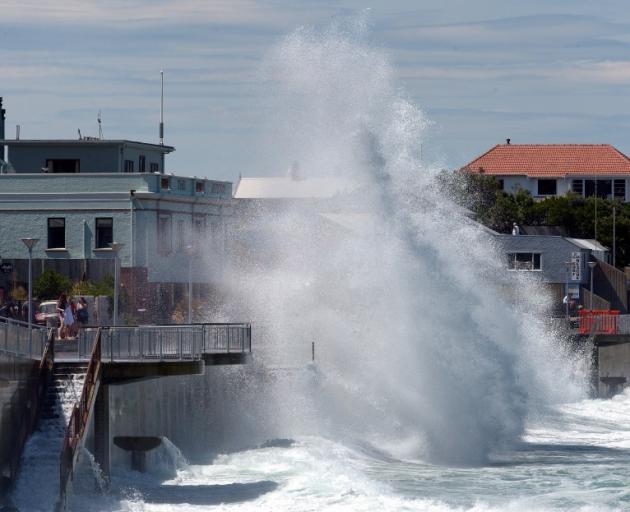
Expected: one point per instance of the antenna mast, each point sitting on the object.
(100, 127)
(162, 108)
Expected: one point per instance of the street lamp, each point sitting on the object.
(592, 265)
(116, 247)
(190, 250)
(567, 266)
(30, 243)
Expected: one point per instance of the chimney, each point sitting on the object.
(507, 141)
(2, 118)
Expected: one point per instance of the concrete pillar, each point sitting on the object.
(102, 449)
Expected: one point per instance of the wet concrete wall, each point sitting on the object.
(18, 382)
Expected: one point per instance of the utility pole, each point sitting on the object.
(595, 209)
(614, 237)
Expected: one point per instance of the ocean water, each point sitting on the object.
(572, 457)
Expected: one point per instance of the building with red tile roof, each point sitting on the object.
(554, 169)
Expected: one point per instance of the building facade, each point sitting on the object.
(547, 170)
(78, 197)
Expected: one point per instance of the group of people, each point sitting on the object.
(72, 315)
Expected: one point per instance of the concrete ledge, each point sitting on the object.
(231, 358)
(121, 372)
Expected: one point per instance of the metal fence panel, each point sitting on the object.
(15, 339)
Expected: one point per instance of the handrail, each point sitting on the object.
(77, 426)
(167, 342)
(15, 338)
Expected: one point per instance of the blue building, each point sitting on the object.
(78, 196)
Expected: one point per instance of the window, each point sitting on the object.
(524, 261)
(501, 185)
(165, 243)
(141, 163)
(181, 236)
(165, 183)
(63, 165)
(577, 186)
(547, 187)
(104, 232)
(198, 225)
(128, 165)
(181, 184)
(56, 233)
(218, 188)
(619, 189)
(600, 188)
(200, 187)
(153, 167)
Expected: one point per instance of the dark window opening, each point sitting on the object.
(600, 188)
(620, 189)
(63, 165)
(56, 233)
(165, 183)
(218, 188)
(547, 187)
(200, 186)
(141, 163)
(578, 186)
(104, 232)
(128, 165)
(501, 185)
(153, 167)
(165, 241)
(524, 261)
(198, 225)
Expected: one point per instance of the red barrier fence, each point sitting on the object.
(599, 321)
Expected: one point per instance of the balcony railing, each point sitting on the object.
(603, 322)
(166, 342)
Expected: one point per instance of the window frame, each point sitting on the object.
(164, 235)
(129, 166)
(517, 268)
(98, 232)
(57, 228)
(547, 181)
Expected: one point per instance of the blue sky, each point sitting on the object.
(536, 71)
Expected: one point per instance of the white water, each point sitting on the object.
(575, 457)
(37, 486)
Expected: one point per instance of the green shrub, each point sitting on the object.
(51, 284)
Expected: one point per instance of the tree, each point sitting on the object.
(51, 284)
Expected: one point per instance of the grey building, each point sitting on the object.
(562, 265)
(85, 155)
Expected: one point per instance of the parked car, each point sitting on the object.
(47, 314)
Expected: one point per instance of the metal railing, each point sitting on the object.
(604, 322)
(227, 338)
(166, 342)
(15, 339)
(79, 418)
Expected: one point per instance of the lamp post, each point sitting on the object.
(30, 243)
(567, 266)
(116, 247)
(592, 265)
(190, 250)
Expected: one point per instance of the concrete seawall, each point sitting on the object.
(18, 382)
(612, 352)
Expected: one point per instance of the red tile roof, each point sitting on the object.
(553, 160)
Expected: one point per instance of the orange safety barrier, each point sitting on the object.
(599, 321)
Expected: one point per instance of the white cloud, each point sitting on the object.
(220, 12)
